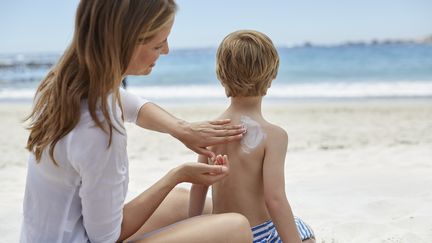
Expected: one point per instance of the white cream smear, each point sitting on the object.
(253, 136)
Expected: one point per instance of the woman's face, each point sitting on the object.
(145, 55)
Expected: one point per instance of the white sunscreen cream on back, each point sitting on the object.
(253, 136)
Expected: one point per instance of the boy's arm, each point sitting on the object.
(274, 186)
(198, 194)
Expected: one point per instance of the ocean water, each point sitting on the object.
(308, 72)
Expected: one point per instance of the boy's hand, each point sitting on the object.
(221, 160)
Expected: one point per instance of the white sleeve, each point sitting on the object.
(104, 174)
(131, 105)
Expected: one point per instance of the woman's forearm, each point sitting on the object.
(154, 117)
(139, 210)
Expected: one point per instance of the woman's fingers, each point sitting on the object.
(204, 174)
(213, 169)
(227, 132)
(205, 152)
(220, 140)
(220, 122)
(216, 174)
(218, 169)
(226, 127)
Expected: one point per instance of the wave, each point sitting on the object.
(306, 90)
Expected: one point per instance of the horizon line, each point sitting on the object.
(374, 41)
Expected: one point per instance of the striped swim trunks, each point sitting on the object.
(266, 232)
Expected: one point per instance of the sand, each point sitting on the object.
(356, 171)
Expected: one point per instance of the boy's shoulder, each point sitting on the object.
(276, 132)
(276, 143)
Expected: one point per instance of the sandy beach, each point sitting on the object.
(356, 171)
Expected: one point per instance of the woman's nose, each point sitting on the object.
(165, 49)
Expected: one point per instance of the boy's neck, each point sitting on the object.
(246, 104)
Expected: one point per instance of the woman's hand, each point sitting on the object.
(204, 174)
(198, 135)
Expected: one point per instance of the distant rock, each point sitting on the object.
(427, 40)
(373, 42)
(307, 44)
(28, 64)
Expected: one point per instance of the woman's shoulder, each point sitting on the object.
(87, 122)
(86, 133)
(87, 145)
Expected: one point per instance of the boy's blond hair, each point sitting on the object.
(247, 62)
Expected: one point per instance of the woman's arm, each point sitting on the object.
(137, 211)
(274, 187)
(196, 136)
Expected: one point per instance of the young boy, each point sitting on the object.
(247, 62)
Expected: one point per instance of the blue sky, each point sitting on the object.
(47, 25)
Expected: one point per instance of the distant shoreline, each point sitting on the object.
(31, 61)
(373, 42)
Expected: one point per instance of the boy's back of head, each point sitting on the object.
(246, 63)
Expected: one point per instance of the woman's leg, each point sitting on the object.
(173, 208)
(229, 227)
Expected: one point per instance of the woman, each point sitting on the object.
(78, 168)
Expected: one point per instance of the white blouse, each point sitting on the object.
(81, 199)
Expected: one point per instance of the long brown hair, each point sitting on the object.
(92, 67)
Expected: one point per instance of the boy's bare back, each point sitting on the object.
(243, 190)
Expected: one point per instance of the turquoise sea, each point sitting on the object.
(306, 72)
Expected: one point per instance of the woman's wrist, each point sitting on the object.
(179, 129)
(174, 176)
